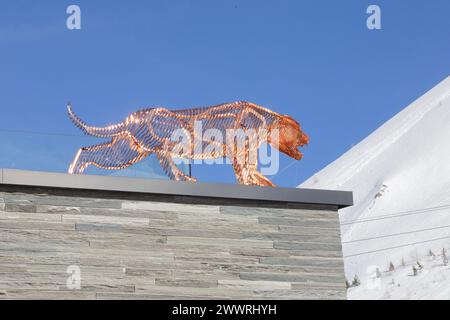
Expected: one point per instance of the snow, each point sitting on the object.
(432, 282)
(400, 177)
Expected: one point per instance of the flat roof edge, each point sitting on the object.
(15, 177)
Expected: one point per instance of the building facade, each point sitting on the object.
(91, 237)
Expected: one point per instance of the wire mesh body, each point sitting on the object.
(234, 131)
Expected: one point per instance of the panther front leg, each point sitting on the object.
(261, 180)
(244, 157)
(248, 174)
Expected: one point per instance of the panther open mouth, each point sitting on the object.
(294, 151)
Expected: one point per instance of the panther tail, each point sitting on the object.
(101, 132)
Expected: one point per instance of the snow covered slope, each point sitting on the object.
(400, 176)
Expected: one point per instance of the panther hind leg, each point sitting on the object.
(171, 169)
(116, 154)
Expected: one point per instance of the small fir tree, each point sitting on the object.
(419, 265)
(356, 282)
(347, 284)
(391, 267)
(378, 273)
(414, 269)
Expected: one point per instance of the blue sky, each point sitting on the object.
(315, 60)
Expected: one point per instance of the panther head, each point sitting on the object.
(290, 138)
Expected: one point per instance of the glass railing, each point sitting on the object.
(38, 151)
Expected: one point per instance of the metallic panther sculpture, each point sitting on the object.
(152, 130)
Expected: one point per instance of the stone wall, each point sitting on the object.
(136, 246)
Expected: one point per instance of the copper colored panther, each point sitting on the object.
(151, 130)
